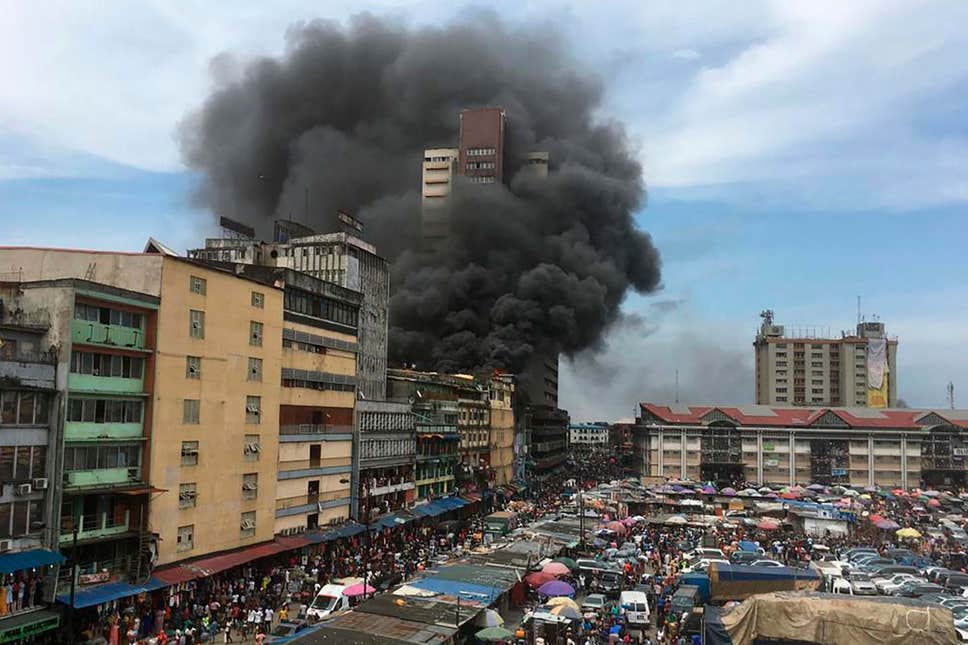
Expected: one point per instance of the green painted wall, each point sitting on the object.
(83, 331)
(88, 383)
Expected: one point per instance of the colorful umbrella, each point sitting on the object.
(816, 487)
(556, 569)
(766, 524)
(728, 491)
(708, 490)
(886, 525)
(934, 502)
(357, 590)
(618, 527)
(789, 495)
(568, 562)
(494, 635)
(562, 600)
(566, 612)
(908, 533)
(556, 588)
(535, 580)
(676, 519)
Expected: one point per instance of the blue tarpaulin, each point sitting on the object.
(450, 503)
(108, 592)
(350, 530)
(466, 590)
(746, 545)
(433, 509)
(28, 560)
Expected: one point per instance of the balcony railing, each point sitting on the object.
(124, 475)
(314, 428)
(83, 331)
(311, 498)
(94, 526)
(307, 464)
(17, 355)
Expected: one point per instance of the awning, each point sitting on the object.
(142, 490)
(28, 560)
(450, 503)
(470, 498)
(431, 509)
(480, 594)
(208, 566)
(100, 594)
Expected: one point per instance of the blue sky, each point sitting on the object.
(797, 154)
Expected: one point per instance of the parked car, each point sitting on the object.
(594, 602)
(956, 583)
(766, 563)
(890, 584)
(918, 588)
(861, 585)
(744, 557)
(934, 572)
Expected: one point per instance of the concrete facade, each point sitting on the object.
(805, 370)
(796, 445)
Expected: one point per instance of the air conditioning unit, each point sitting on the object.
(40, 483)
(4, 546)
(250, 486)
(251, 409)
(248, 525)
(23, 489)
(252, 448)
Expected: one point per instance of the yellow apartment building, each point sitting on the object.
(319, 349)
(502, 428)
(216, 410)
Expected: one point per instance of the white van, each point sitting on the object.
(635, 606)
(328, 602)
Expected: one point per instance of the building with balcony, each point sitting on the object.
(387, 454)
(174, 374)
(548, 433)
(795, 445)
(588, 436)
(29, 404)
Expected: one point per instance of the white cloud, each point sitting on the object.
(686, 54)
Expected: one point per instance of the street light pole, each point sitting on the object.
(581, 518)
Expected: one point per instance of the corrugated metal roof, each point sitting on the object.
(796, 416)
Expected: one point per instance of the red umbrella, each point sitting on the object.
(556, 569)
(789, 495)
(538, 578)
(767, 524)
(618, 527)
(934, 502)
(874, 519)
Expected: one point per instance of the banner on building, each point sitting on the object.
(877, 372)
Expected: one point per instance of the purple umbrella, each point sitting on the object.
(728, 491)
(887, 525)
(556, 588)
(708, 490)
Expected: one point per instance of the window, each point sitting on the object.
(193, 367)
(189, 453)
(247, 524)
(106, 315)
(197, 324)
(255, 334)
(253, 409)
(186, 538)
(190, 411)
(106, 365)
(252, 447)
(197, 285)
(255, 369)
(104, 410)
(258, 299)
(250, 485)
(187, 494)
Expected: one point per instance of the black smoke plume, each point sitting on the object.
(341, 121)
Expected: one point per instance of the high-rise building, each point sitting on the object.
(341, 258)
(806, 368)
(481, 145)
(439, 170)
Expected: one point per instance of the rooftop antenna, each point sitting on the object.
(858, 310)
(951, 395)
(677, 386)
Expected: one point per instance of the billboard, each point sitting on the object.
(877, 373)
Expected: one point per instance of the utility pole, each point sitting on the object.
(581, 517)
(70, 609)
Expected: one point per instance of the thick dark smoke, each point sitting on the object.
(341, 121)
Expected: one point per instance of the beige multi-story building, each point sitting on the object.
(215, 407)
(501, 393)
(199, 414)
(799, 445)
(858, 369)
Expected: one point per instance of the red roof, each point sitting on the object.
(756, 415)
(214, 564)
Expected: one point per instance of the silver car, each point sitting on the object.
(862, 585)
